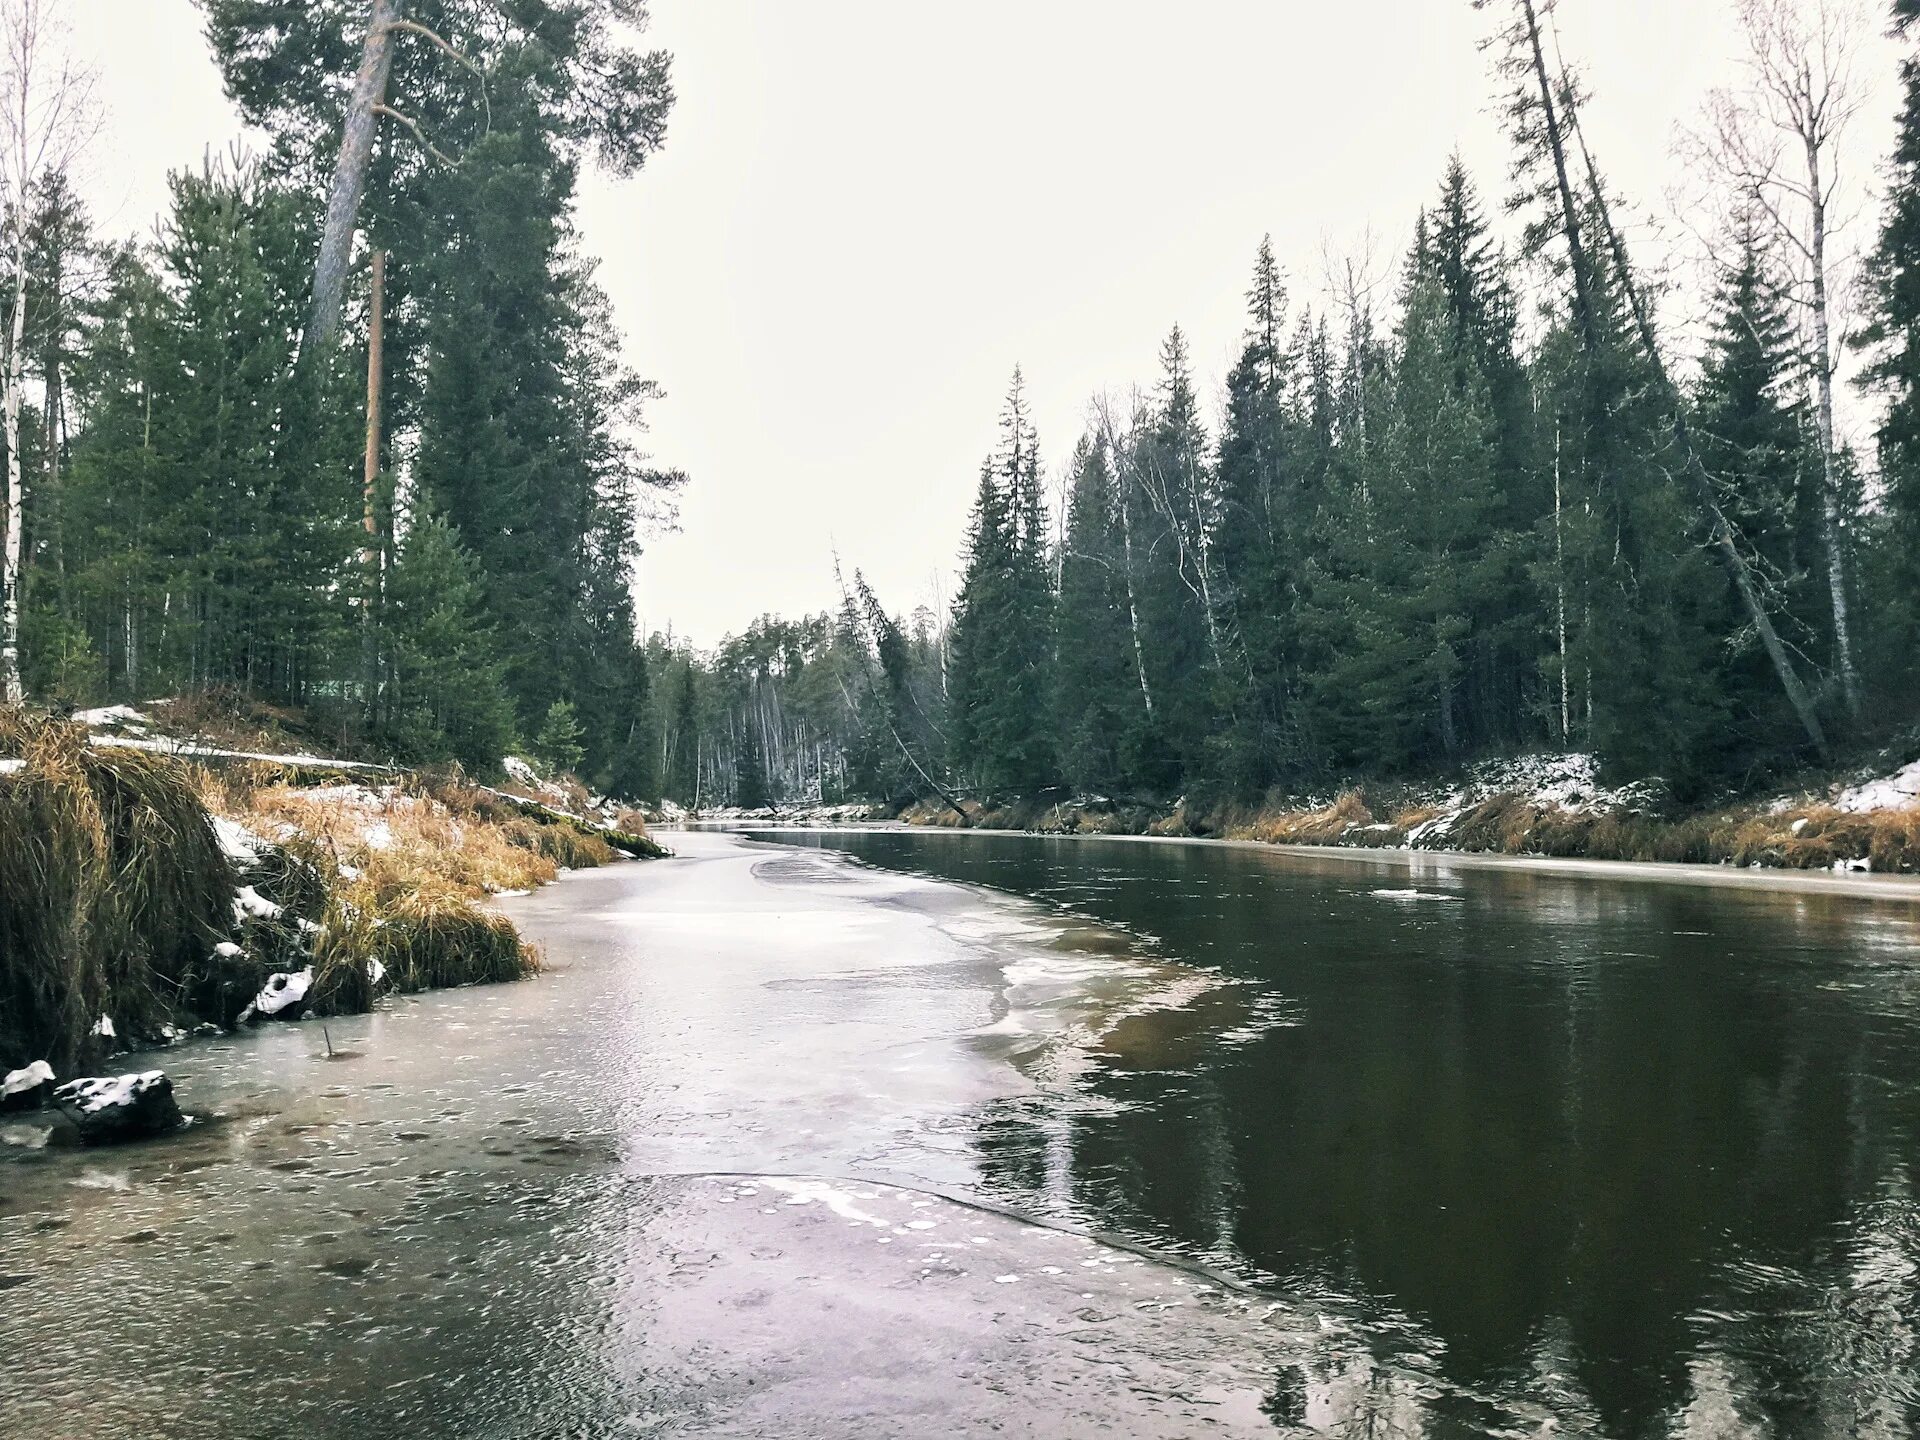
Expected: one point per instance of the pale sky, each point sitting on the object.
(867, 213)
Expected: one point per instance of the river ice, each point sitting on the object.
(713, 1173)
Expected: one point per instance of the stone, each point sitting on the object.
(105, 1109)
(28, 1088)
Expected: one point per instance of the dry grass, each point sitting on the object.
(113, 892)
(1808, 837)
(1326, 826)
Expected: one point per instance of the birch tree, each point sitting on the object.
(1780, 139)
(46, 117)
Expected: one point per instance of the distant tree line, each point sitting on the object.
(1480, 517)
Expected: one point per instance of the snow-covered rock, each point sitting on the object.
(27, 1088)
(1890, 792)
(283, 997)
(108, 1108)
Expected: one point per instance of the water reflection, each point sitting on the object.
(1638, 1156)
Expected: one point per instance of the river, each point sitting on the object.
(909, 1133)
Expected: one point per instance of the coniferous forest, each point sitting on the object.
(1493, 505)
(1491, 508)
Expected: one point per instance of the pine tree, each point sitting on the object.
(1891, 337)
(1096, 702)
(1259, 534)
(448, 687)
(557, 742)
(1001, 642)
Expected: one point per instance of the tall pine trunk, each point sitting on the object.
(350, 178)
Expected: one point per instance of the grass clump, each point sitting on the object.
(114, 892)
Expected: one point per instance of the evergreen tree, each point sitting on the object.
(557, 743)
(1001, 640)
(1096, 700)
(1891, 337)
(448, 688)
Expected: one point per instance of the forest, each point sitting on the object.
(1492, 506)
(199, 499)
(1498, 513)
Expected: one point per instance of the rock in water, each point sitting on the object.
(108, 1108)
(283, 997)
(27, 1089)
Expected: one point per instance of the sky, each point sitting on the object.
(867, 214)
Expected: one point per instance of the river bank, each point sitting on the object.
(153, 885)
(1542, 806)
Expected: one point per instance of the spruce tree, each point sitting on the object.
(1001, 642)
(448, 687)
(1891, 338)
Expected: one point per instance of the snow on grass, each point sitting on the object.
(214, 752)
(248, 901)
(238, 843)
(12, 767)
(1890, 792)
(124, 715)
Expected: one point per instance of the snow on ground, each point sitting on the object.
(215, 752)
(1890, 792)
(12, 767)
(1569, 783)
(112, 715)
(522, 773)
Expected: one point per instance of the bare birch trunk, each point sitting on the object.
(1720, 531)
(1832, 531)
(1560, 589)
(10, 683)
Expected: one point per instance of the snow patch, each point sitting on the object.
(190, 747)
(282, 990)
(12, 767)
(30, 1078)
(236, 841)
(112, 715)
(104, 1027)
(1890, 792)
(248, 901)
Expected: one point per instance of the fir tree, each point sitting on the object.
(448, 685)
(1001, 642)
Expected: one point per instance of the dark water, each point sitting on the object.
(1640, 1154)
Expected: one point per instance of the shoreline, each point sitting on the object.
(1859, 885)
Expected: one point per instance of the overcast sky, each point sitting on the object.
(867, 213)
